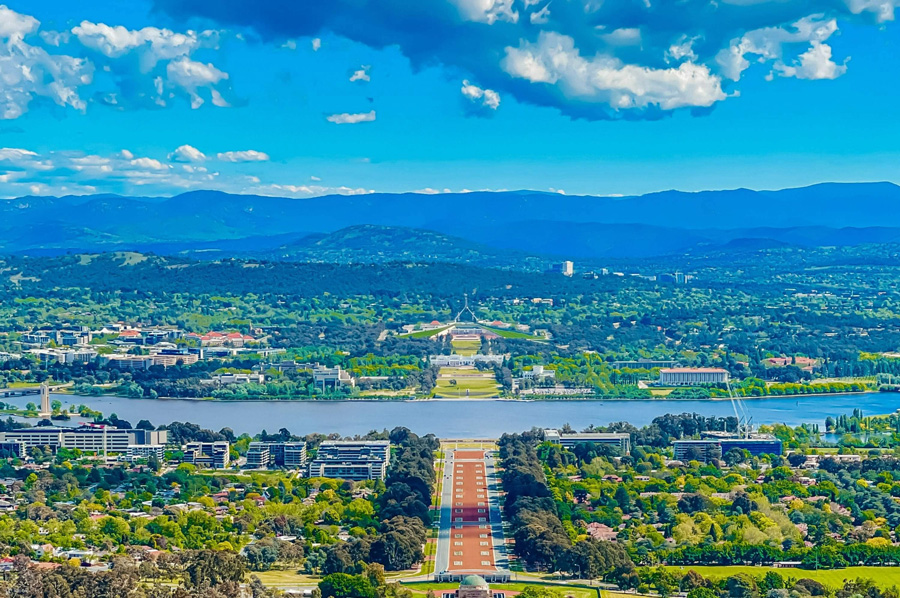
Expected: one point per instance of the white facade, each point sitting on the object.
(692, 376)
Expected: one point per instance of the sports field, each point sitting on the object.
(834, 578)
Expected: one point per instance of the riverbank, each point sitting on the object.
(483, 419)
(540, 399)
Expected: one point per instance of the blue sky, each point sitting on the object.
(615, 97)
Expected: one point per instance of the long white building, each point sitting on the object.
(692, 376)
(88, 438)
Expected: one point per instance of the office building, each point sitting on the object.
(258, 455)
(335, 377)
(565, 268)
(215, 455)
(138, 436)
(717, 447)
(291, 455)
(12, 449)
(352, 460)
(692, 376)
(146, 451)
(621, 441)
(643, 364)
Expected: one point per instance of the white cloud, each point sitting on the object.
(768, 44)
(28, 71)
(683, 50)
(149, 164)
(243, 156)
(316, 44)
(487, 11)
(361, 74)
(14, 154)
(152, 43)
(625, 36)
(15, 26)
(187, 153)
(314, 178)
(308, 190)
(555, 60)
(484, 97)
(290, 44)
(815, 63)
(126, 154)
(346, 118)
(540, 17)
(192, 76)
(883, 9)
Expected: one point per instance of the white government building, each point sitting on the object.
(692, 376)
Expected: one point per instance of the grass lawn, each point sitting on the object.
(661, 392)
(564, 590)
(834, 578)
(426, 333)
(286, 578)
(507, 333)
(470, 383)
(467, 348)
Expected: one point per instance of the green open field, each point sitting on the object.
(834, 578)
(426, 333)
(480, 385)
(286, 578)
(461, 347)
(508, 333)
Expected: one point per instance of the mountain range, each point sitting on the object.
(494, 228)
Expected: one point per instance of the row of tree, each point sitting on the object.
(541, 539)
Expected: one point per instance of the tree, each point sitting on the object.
(342, 585)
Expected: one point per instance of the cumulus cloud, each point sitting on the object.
(152, 43)
(192, 76)
(26, 172)
(815, 63)
(346, 118)
(487, 11)
(146, 67)
(769, 44)
(187, 153)
(481, 98)
(587, 58)
(316, 44)
(149, 163)
(243, 156)
(555, 60)
(28, 71)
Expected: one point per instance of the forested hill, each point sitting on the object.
(109, 273)
(534, 223)
(759, 271)
(368, 243)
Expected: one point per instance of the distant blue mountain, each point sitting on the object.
(526, 221)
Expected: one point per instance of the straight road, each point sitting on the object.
(470, 536)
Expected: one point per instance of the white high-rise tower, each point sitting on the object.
(45, 401)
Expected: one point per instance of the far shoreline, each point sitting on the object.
(546, 399)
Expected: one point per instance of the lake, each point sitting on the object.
(463, 419)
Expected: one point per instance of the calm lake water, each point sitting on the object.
(463, 419)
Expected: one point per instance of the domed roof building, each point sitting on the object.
(474, 586)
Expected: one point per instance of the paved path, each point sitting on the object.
(470, 536)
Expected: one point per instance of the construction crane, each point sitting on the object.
(741, 413)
